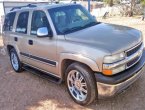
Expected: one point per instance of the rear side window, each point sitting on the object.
(9, 21)
(22, 22)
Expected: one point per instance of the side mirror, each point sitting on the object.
(94, 17)
(43, 32)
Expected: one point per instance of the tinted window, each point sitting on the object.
(9, 20)
(69, 19)
(39, 20)
(22, 22)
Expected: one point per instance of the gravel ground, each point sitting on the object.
(25, 91)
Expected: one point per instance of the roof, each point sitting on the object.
(38, 6)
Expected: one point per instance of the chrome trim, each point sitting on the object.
(134, 62)
(43, 31)
(133, 47)
(126, 60)
(108, 90)
(77, 85)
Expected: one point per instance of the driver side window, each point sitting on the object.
(39, 20)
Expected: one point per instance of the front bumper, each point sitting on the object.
(109, 86)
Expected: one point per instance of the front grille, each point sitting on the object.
(134, 50)
(131, 52)
(132, 62)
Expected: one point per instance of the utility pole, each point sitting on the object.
(89, 4)
(51, 1)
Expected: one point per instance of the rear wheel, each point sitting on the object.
(15, 61)
(80, 83)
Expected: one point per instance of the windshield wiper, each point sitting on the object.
(91, 24)
(72, 29)
(66, 30)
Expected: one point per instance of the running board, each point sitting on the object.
(42, 74)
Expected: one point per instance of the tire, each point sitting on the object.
(81, 83)
(15, 61)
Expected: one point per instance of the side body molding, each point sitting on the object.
(77, 57)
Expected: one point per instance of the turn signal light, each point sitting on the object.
(107, 72)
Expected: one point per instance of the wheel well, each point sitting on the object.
(65, 63)
(9, 47)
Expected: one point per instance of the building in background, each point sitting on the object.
(7, 5)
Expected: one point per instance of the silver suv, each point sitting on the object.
(64, 43)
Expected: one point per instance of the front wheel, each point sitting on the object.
(81, 84)
(15, 61)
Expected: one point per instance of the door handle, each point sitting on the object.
(15, 39)
(30, 42)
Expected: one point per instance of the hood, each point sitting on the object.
(108, 37)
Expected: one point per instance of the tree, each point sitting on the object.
(143, 4)
(133, 4)
(109, 2)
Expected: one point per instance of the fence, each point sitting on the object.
(99, 12)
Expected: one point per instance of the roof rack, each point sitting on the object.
(32, 5)
(20, 7)
(53, 2)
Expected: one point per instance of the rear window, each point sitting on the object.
(9, 21)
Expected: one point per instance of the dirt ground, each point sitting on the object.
(25, 91)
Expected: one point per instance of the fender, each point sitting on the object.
(80, 58)
(16, 48)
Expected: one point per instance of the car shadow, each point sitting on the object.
(58, 98)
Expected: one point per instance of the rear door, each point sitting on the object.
(20, 35)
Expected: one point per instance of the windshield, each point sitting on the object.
(72, 18)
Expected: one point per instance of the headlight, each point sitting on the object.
(114, 58)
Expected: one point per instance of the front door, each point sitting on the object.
(42, 50)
